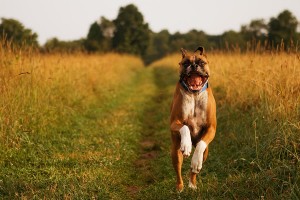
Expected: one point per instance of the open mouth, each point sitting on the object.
(195, 81)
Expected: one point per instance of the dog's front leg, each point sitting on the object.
(185, 137)
(197, 159)
(200, 155)
(186, 141)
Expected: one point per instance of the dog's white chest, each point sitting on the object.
(194, 110)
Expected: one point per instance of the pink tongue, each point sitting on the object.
(195, 82)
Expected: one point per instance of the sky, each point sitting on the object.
(71, 19)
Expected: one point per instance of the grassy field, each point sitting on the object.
(97, 127)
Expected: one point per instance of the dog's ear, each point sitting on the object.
(183, 52)
(201, 49)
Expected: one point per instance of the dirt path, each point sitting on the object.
(153, 163)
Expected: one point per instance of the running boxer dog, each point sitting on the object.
(193, 115)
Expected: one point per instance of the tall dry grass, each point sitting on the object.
(40, 91)
(269, 82)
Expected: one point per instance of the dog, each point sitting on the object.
(193, 115)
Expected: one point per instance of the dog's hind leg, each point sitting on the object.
(177, 159)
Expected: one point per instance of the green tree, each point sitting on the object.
(94, 38)
(284, 27)
(161, 42)
(196, 38)
(107, 27)
(132, 34)
(100, 35)
(189, 40)
(256, 30)
(177, 41)
(56, 46)
(14, 31)
(159, 46)
(233, 39)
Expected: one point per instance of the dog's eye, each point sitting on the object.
(186, 64)
(201, 63)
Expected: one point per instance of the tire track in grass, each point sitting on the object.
(153, 164)
(125, 131)
(105, 153)
(125, 127)
(113, 158)
(146, 147)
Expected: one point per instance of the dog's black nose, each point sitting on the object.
(194, 67)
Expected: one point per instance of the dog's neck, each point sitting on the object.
(186, 88)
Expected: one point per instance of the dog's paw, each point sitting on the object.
(186, 142)
(192, 186)
(179, 187)
(197, 158)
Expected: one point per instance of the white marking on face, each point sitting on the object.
(197, 159)
(193, 58)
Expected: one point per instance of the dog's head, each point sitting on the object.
(194, 70)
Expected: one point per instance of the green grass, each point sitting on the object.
(118, 147)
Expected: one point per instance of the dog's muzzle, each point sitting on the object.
(194, 78)
(195, 81)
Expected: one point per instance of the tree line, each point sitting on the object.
(129, 33)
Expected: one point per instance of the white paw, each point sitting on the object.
(197, 158)
(192, 186)
(186, 142)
